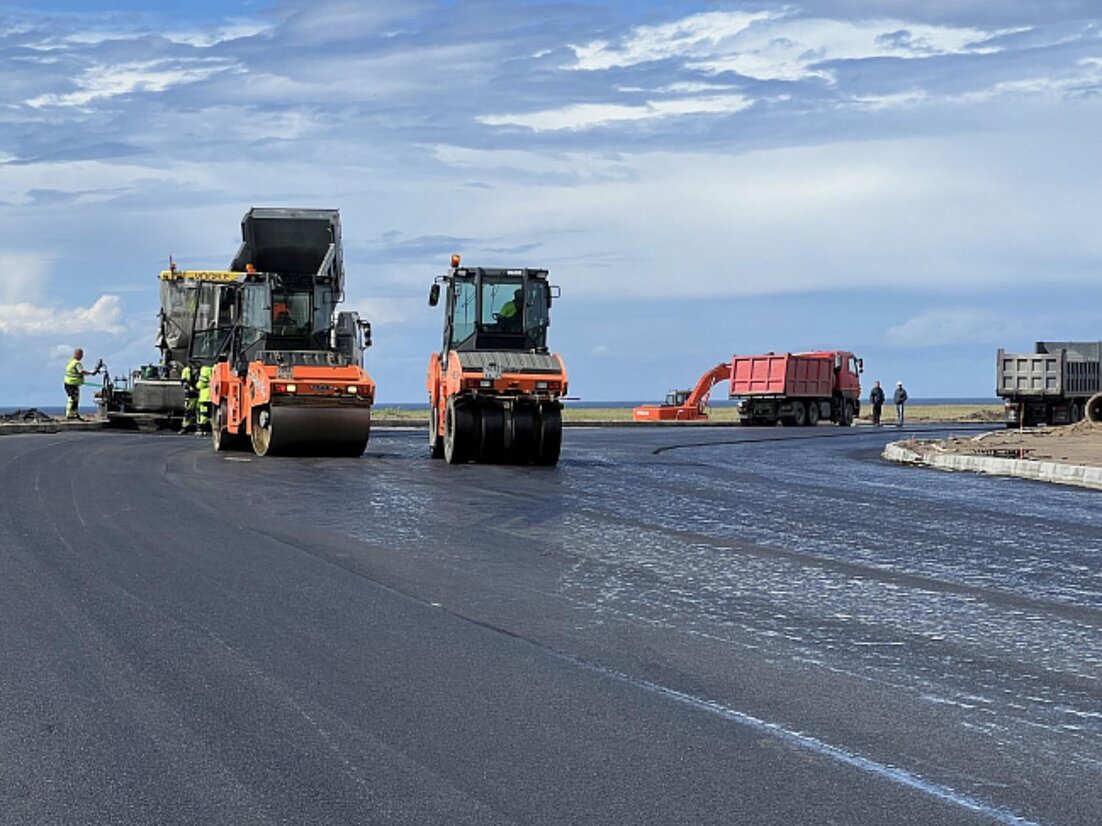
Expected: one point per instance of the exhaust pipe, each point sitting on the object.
(1094, 409)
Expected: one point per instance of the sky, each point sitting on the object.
(915, 181)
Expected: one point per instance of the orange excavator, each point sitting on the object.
(685, 405)
(495, 390)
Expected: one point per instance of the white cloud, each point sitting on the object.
(947, 326)
(107, 81)
(1084, 76)
(22, 276)
(581, 116)
(697, 34)
(917, 214)
(231, 30)
(778, 46)
(95, 181)
(900, 100)
(383, 311)
(575, 165)
(28, 319)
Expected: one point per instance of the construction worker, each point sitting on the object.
(876, 397)
(190, 377)
(900, 399)
(202, 412)
(74, 378)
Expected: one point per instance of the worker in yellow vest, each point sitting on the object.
(202, 411)
(190, 378)
(74, 378)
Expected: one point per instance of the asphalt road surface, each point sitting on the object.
(766, 626)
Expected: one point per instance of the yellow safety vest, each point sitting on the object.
(74, 373)
(204, 383)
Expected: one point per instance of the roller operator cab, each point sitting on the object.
(494, 389)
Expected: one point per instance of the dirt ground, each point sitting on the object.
(1077, 444)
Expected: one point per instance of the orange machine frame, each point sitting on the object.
(694, 407)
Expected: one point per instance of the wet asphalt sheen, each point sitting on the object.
(711, 626)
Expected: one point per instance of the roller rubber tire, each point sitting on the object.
(459, 433)
(436, 441)
(524, 445)
(550, 436)
(491, 441)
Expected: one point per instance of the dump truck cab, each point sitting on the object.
(494, 388)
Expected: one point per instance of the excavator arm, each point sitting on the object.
(699, 397)
(686, 407)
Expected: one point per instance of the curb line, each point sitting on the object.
(1082, 476)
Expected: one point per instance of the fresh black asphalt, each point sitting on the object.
(728, 630)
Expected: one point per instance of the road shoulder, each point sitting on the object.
(967, 455)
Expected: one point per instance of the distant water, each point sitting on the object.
(714, 403)
(60, 411)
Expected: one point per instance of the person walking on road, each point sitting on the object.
(900, 399)
(876, 398)
(74, 378)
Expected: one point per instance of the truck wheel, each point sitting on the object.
(1094, 409)
(812, 413)
(436, 441)
(845, 417)
(798, 417)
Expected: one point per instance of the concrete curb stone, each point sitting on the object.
(1055, 472)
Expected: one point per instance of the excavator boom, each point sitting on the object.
(685, 405)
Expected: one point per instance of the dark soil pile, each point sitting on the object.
(32, 415)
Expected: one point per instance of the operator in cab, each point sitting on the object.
(509, 316)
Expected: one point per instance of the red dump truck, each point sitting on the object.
(797, 388)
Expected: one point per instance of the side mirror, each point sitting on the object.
(860, 365)
(434, 295)
(365, 326)
(553, 292)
